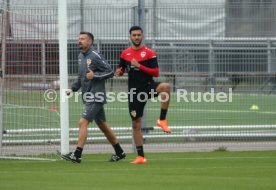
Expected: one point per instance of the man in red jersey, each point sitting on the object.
(141, 64)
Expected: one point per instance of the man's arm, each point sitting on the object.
(77, 82)
(102, 69)
(150, 71)
(121, 67)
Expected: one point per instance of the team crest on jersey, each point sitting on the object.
(88, 61)
(133, 113)
(143, 54)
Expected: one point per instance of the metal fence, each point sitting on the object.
(202, 47)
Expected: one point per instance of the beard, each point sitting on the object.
(136, 44)
(80, 47)
(83, 48)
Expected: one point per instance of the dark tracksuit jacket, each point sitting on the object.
(102, 71)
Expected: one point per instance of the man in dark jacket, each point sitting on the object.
(93, 71)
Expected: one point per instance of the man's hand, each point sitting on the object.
(68, 92)
(135, 63)
(119, 71)
(90, 75)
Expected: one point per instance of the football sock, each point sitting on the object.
(140, 151)
(118, 149)
(163, 114)
(78, 152)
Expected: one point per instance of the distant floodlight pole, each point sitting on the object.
(63, 76)
(82, 15)
(141, 14)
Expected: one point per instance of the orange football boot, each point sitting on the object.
(164, 125)
(139, 160)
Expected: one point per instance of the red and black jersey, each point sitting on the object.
(139, 78)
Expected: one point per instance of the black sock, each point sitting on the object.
(140, 150)
(163, 114)
(78, 152)
(118, 149)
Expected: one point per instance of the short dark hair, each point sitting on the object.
(90, 35)
(135, 28)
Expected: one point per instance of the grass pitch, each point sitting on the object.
(164, 171)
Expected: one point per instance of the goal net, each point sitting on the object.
(29, 66)
(222, 89)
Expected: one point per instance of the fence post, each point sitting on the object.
(43, 61)
(268, 56)
(211, 78)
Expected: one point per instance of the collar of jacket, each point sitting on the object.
(88, 51)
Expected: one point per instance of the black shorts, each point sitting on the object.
(94, 111)
(138, 99)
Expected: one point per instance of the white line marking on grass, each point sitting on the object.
(157, 109)
(213, 158)
(202, 110)
(13, 106)
(204, 158)
(153, 159)
(104, 170)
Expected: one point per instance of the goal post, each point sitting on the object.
(63, 76)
